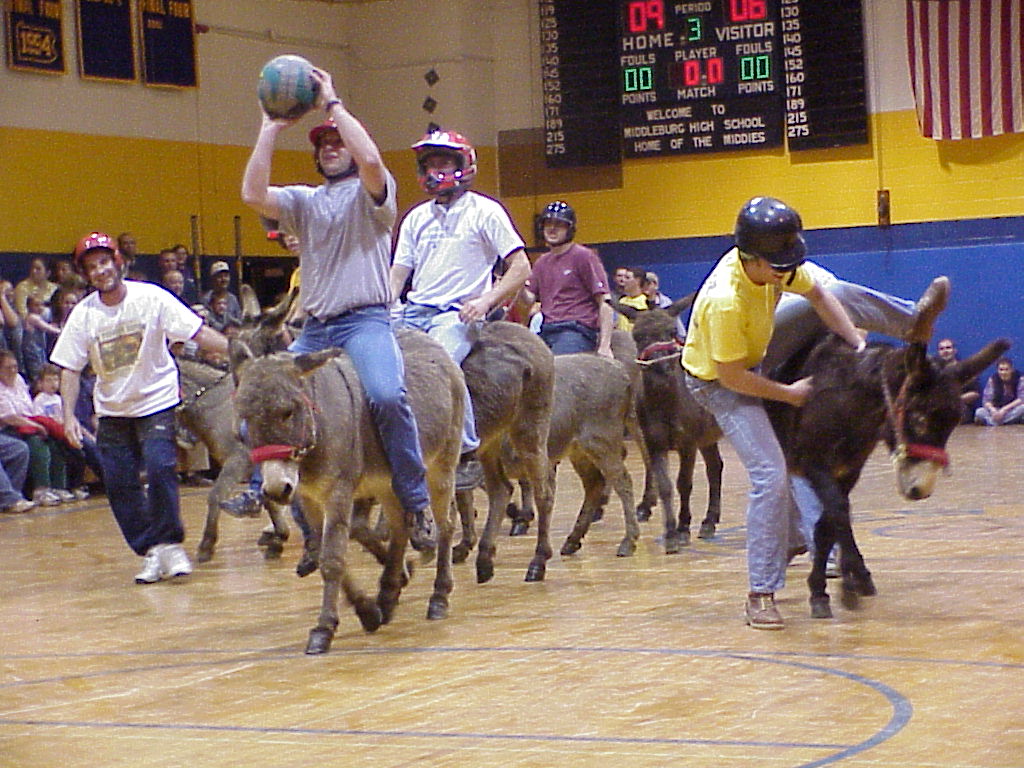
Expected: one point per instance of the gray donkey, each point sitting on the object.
(314, 406)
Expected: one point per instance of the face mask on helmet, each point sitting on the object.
(446, 144)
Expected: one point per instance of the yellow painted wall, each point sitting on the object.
(59, 185)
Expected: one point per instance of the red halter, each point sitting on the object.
(279, 451)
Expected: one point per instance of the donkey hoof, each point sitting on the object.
(265, 538)
(512, 511)
(204, 554)
(707, 531)
(850, 598)
(274, 549)
(437, 609)
(643, 513)
(684, 536)
(627, 547)
(672, 543)
(571, 547)
(306, 565)
(370, 616)
(598, 514)
(519, 528)
(820, 608)
(536, 572)
(319, 641)
(484, 572)
(864, 585)
(460, 552)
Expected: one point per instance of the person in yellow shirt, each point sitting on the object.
(633, 283)
(730, 326)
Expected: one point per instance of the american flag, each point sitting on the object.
(967, 66)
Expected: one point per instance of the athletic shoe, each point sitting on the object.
(469, 474)
(247, 503)
(151, 570)
(81, 493)
(21, 505)
(44, 497)
(174, 562)
(422, 531)
(761, 611)
(64, 495)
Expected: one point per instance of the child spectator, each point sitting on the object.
(46, 454)
(49, 404)
(38, 337)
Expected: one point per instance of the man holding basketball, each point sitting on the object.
(344, 227)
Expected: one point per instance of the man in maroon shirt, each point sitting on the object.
(571, 285)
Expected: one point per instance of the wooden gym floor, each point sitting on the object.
(639, 662)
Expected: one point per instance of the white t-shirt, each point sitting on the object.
(127, 345)
(49, 405)
(452, 250)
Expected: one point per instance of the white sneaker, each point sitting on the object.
(64, 495)
(21, 505)
(81, 493)
(44, 497)
(174, 561)
(151, 571)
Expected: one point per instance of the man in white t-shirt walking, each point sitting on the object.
(123, 329)
(450, 245)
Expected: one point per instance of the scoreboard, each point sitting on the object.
(697, 76)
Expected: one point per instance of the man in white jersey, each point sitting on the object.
(123, 329)
(344, 230)
(450, 245)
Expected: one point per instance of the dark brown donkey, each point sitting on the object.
(898, 394)
(671, 420)
(311, 429)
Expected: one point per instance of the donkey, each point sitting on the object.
(593, 400)
(206, 411)
(670, 419)
(314, 437)
(898, 394)
(510, 374)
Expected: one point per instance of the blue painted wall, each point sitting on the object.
(984, 259)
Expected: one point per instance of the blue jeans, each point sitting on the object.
(569, 337)
(797, 324)
(457, 337)
(366, 335)
(14, 458)
(126, 446)
(772, 516)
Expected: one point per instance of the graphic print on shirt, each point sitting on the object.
(118, 348)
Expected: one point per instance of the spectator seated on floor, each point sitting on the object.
(970, 393)
(1002, 402)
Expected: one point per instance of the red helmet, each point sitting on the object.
(318, 131)
(448, 143)
(91, 242)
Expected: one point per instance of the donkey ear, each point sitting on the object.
(311, 361)
(677, 307)
(238, 354)
(274, 317)
(250, 304)
(965, 370)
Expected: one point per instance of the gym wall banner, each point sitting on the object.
(106, 48)
(168, 43)
(35, 35)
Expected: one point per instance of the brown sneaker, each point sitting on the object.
(929, 306)
(761, 611)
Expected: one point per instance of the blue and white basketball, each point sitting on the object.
(286, 87)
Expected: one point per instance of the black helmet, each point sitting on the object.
(560, 211)
(769, 229)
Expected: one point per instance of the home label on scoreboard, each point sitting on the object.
(699, 76)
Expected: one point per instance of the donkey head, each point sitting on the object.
(923, 407)
(264, 334)
(281, 417)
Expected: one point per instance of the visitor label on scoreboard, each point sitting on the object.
(699, 76)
